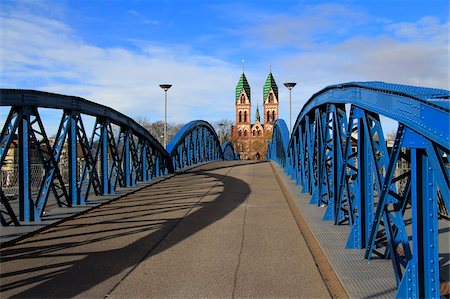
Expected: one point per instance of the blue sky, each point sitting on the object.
(117, 52)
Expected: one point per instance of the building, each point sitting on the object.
(250, 139)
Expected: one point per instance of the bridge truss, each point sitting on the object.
(392, 195)
(73, 165)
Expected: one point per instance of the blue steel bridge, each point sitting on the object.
(388, 198)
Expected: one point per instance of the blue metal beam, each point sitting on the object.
(349, 169)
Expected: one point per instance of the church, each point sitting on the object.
(250, 139)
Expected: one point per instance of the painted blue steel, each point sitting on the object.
(228, 151)
(72, 158)
(104, 159)
(198, 134)
(278, 146)
(7, 133)
(108, 159)
(346, 166)
(425, 109)
(28, 211)
(50, 157)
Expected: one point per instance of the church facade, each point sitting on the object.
(250, 139)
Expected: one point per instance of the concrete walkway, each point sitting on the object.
(222, 230)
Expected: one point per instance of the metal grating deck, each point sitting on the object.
(360, 278)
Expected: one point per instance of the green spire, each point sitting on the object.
(258, 118)
(270, 83)
(242, 84)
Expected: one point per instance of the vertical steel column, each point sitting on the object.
(104, 156)
(301, 154)
(295, 159)
(421, 278)
(188, 150)
(309, 129)
(158, 165)
(74, 192)
(290, 164)
(340, 136)
(330, 161)
(195, 146)
(27, 209)
(127, 164)
(428, 233)
(365, 190)
(144, 161)
(318, 158)
(423, 268)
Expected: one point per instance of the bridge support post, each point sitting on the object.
(364, 197)
(421, 278)
(28, 211)
(74, 193)
(126, 157)
(144, 163)
(104, 159)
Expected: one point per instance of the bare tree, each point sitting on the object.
(223, 129)
(157, 128)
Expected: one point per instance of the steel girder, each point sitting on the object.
(391, 199)
(197, 143)
(228, 151)
(118, 153)
(277, 147)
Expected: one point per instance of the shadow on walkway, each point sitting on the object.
(66, 267)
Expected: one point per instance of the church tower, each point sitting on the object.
(243, 107)
(270, 98)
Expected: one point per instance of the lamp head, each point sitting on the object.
(290, 85)
(165, 86)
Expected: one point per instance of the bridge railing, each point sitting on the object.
(195, 143)
(74, 165)
(392, 195)
(118, 153)
(277, 148)
(228, 151)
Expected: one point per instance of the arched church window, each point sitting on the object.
(240, 116)
(245, 133)
(259, 132)
(270, 97)
(253, 132)
(245, 116)
(268, 116)
(273, 115)
(242, 99)
(240, 133)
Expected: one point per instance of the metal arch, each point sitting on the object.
(343, 161)
(278, 146)
(228, 151)
(425, 109)
(98, 163)
(195, 143)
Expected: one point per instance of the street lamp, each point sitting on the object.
(221, 125)
(289, 86)
(165, 87)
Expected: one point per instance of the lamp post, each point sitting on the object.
(165, 87)
(289, 86)
(221, 125)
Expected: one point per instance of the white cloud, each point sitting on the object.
(335, 44)
(45, 54)
(306, 27)
(366, 59)
(425, 29)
